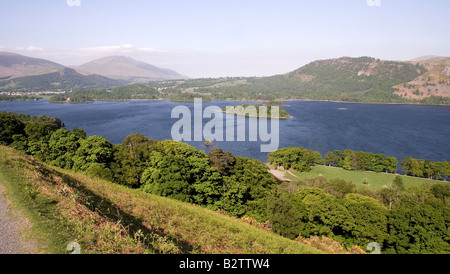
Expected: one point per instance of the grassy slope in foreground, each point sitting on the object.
(104, 217)
(375, 180)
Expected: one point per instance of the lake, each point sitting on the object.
(416, 131)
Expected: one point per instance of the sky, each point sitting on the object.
(219, 38)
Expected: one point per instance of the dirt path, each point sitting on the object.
(293, 174)
(279, 175)
(10, 226)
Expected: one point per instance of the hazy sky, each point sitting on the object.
(211, 38)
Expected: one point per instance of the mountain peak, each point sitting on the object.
(425, 58)
(124, 67)
(16, 65)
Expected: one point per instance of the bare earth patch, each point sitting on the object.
(279, 175)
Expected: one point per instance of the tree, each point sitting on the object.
(222, 161)
(419, 228)
(93, 150)
(349, 161)
(398, 183)
(369, 219)
(182, 172)
(283, 216)
(137, 140)
(322, 214)
(429, 169)
(20, 142)
(39, 149)
(378, 163)
(63, 145)
(99, 170)
(364, 160)
(391, 164)
(439, 170)
(418, 167)
(9, 126)
(446, 170)
(39, 131)
(316, 157)
(234, 197)
(442, 192)
(248, 187)
(337, 158)
(329, 158)
(391, 194)
(414, 195)
(406, 165)
(80, 133)
(131, 158)
(336, 187)
(299, 158)
(413, 167)
(207, 191)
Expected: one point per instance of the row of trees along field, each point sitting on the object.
(425, 168)
(302, 159)
(413, 220)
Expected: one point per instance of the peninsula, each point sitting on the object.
(246, 110)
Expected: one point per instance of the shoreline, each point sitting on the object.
(366, 103)
(240, 100)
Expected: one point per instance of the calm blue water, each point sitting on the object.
(395, 130)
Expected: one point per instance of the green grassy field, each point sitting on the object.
(103, 217)
(375, 180)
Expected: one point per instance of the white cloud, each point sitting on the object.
(102, 49)
(31, 48)
(22, 49)
(123, 49)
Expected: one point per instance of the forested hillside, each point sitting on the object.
(361, 79)
(399, 219)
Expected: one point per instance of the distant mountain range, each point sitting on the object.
(126, 68)
(22, 73)
(363, 79)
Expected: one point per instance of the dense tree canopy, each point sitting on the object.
(246, 189)
(9, 126)
(359, 160)
(425, 168)
(94, 156)
(131, 159)
(63, 145)
(218, 180)
(298, 158)
(182, 172)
